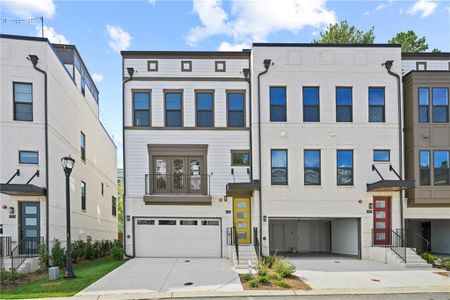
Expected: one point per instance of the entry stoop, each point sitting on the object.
(415, 261)
(246, 253)
(388, 256)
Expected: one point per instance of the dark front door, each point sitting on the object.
(426, 233)
(29, 231)
(382, 220)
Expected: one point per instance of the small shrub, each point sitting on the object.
(263, 279)
(77, 250)
(282, 283)
(269, 260)
(284, 267)
(253, 283)
(117, 252)
(445, 263)
(43, 258)
(97, 249)
(275, 276)
(58, 254)
(247, 277)
(430, 258)
(261, 267)
(89, 251)
(11, 276)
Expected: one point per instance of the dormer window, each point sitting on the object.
(421, 66)
(186, 66)
(152, 65)
(220, 66)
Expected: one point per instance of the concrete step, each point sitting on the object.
(419, 265)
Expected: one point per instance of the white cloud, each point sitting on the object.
(119, 39)
(249, 21)
(30, 8)
(225, 46)
(152, 2)
(52, 35)
(424, 7)
(97, 77)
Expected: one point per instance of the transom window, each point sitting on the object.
(23, 101)
(28, 157)
(186, 66)
(240, 157)
(221, 66)
(440, 105)
(83, 146)
(425, 167)
(174, 110)
(279, 167)
(236, 109)
(278, 104)
(141, 108)
(424, 104)
(344, 167)
(441, 167)
(381, 155)
(205, 109)
(311, 108)
(376, 104)
(312, 167)
(83, 196)
(114, 206)
(344, 102)
(152, 65)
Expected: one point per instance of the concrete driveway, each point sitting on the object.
(145, 275)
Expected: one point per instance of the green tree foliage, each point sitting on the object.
(409, 41)
(436, 50)
(120, 208)
(342, 33)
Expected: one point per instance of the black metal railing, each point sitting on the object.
(176, 184)
(415, 241)
(386, 237)
(5, 249)
(233, 240)
(26, 248)
(256, 241)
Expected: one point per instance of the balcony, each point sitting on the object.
(181, 189)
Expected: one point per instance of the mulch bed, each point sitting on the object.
(27, 279)
(294, 282)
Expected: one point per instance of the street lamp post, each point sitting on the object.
(67, 164)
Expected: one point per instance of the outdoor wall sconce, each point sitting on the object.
(265, 218)
(11, 210)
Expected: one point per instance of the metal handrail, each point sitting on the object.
(5, 249)
(236, 243)
(386, 237)
(256, 241)
(176, 184)
(26, 248)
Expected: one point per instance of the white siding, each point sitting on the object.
(409, 65)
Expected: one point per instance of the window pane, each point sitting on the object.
(28, 157)
(174, 119)
(311, 114)
(312, 159)
(423, 114)
(345, 158)
(440, 96)
(376, 114)
(278, 113)
(424, 157)
(205, 101)
(205, 119)
(441, 177)
(23, 92)
(278, 95)
(141, 118)
(440, 159)
(312, 176)
(311, 95)
(344, 96)
(141, 100)
(425, 176)
(167, 222)
(279, 158)
(376, 96)
(23, 112)
(381, 155)
(343, 114)
(235, 101)
(240, 159)
(173, 101)
(423, 96)
(345, 176)
(279, 176)
(236, 119)
(440, 114)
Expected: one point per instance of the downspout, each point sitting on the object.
(34, 60)
(247, 75)
(124, 214)
(267, 63)
(388, 65)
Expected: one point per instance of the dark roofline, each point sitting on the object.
(219, 54)
(23, 37)
(422, 55)
(426, 72)
(326, 45)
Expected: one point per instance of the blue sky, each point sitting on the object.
(100, 29)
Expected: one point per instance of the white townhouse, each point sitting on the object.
(186, 147)
(50, 109)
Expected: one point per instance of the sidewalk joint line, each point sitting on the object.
(168, 274)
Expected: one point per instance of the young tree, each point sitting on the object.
(342, 33)
(410, 41)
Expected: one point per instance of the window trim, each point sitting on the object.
(29, 151)
(83, 147)
(217, 63)
(243, 151)
(427, 106)
(433, 106)
(336, 104)
(381, 161)
(287, 167)
(430, 163)
(189, 69)
(353, 167)
(244, 111)
(149, 92)
(170, 91)
(308, 168)
(270, 103)
(384, 103)
(14, 101)
(213, 110)
(421, 63)
(83, 197)
(309, 105)
(149, 62)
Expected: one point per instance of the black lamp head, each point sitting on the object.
(388, 64)
(34, 59)
(246, 73)
(267, 63)
(130, 71)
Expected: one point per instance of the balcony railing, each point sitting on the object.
(176, 184)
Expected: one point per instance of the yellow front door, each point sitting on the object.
(241, 219)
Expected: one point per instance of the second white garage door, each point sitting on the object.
(176, 237)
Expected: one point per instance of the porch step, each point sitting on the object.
(418, 265)
(246, 253)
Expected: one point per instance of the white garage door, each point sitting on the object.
(177, 237)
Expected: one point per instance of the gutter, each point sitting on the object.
(34, 60)
(267, 63)
(124, 214)
(388, 65)
(247, 75)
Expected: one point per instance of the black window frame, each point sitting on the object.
(83, 146)
(114, 206)
(242, 112)
(83, 193)
(423, 106)
(352, 168)
(377, 105)
(189, 64)
(272, 119)
(211, 111)
(149, 93)
(102, 190)
(286, 182)
(316, 106)
(15, 118)
(437, 106)
(318, 169)
(150, 63)
(446, 170)
(181, 110)
(386, 150)
(344, 105)
(425, 171)
(28, 163)
(233, 152)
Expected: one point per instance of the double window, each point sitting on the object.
(344, 167)
(204, 102)
(236, 109)
(424, 104)
(83, 146)
(344, 102)
(141, 109)
(376, 104)
(279, 167)
(425, 167)
(440, 105)
(441, 167)
(277, 104)
(312, 167)
(83, 196)
(311, 107)
(29, 157)
(174, 109)
(23, 101)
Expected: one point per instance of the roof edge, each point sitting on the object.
(326, 45)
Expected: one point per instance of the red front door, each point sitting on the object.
(381, 220)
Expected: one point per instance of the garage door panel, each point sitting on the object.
(178, 240)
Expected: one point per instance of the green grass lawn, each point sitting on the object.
(87, 272)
